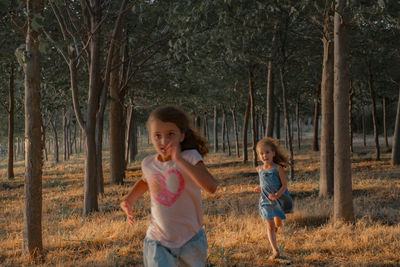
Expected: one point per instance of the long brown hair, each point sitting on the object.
(174, 114)
(280, 156)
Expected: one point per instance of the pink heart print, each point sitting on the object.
(160, 190)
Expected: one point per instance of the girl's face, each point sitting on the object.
(266, 154)
(164, 135)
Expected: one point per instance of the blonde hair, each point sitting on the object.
(177, 116)
(280, 155)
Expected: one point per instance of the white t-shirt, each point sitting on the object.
(176, 208)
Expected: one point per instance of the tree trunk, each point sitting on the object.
(396, 136)
(44, 142)
(64, 122)
(384, 123)
(316, 118)
(117, 121)
(223, 129)
(245, 129)
(215, 129)
(270, 102)
(343, 199)
(327, 120)
(363, 127)
(351, 94)
(132, 144)
(53, 126)
(287, 122)
(227, 133)
(298, 124)
(32, 229)
(197, 123)
(91, 167)
(10, 166)
(278, 124)
(236, 132)
(205, 126)
(374, 117)
(253, 115)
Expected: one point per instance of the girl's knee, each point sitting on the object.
(270, 225)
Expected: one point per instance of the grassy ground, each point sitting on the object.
(236, 234)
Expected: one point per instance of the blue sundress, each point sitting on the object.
(271, 183)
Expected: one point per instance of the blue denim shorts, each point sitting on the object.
(193, 253)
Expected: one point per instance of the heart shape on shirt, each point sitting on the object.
(160, 183)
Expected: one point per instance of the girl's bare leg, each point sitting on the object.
(272, 238)
(278, 223)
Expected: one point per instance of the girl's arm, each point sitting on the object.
(199, 173)
(282, 176)
(136, 192)
(258, 188)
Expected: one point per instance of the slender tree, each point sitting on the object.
(32, 233)
(343, 199)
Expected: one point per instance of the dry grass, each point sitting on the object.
(236, 234)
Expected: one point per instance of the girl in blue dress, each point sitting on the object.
(275, 200)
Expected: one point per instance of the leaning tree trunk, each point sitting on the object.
(327, 119)
(343, 199)
(316, 119)
(287, 122)
(253, 115)
(10, 166)
(396, 136)
(236, 131)
(245, 129)
(374, 117)
(32, 230)
(363, 127)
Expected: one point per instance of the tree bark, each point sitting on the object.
(236, 131)
(384, 123)
(223, 129)
(351, 94)
(215, 129)
(32, 229)
(327, 118)
(298, 124)
(245, 129)
(374, 116)
(343, 199)
(53, 126)
(10, 165)
(117, 120)
(253, 115)
(396, 136)
(287, 122)
(270, 102)
(227, 133)
(315, 146)
(278, 124)
(205, 126)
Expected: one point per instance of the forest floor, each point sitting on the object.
(236, 234)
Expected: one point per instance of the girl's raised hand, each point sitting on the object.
(273, 196)
(175, 151)
(128, 211)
